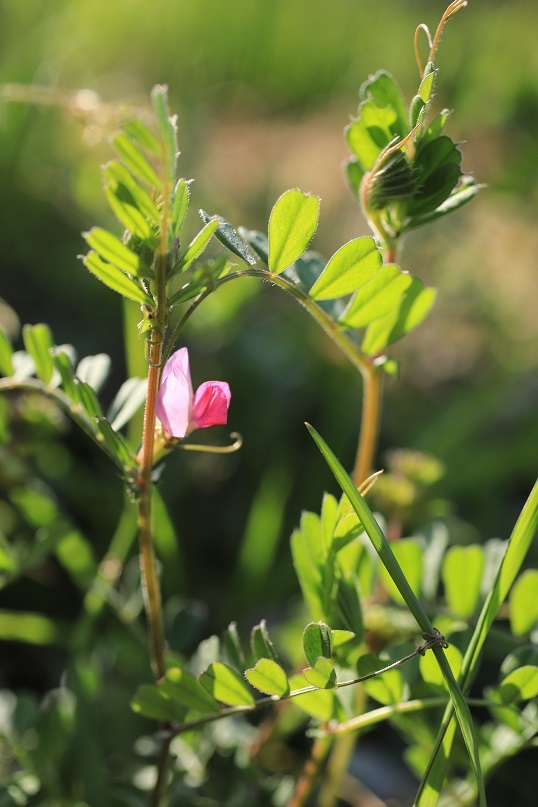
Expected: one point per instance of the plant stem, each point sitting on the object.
(340, 757)
(162, 771)
(148, 564)
(370, 422)
(311, 770)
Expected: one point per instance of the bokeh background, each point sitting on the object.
(263, 91)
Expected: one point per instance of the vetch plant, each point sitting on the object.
(365, 599)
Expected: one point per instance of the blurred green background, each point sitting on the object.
(263, 91)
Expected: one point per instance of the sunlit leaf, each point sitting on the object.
(524, 603)
(88, 399)
(115, 279)
(307, 572)
(462, 572)
(377, 297)
(322, 705)
(414, 307)
(140, 132)
(386, 688)
(167, 123)
(127, 189)
(38, 342)
(426, 86)
(75, 554)
(111, 249)
(63, 364)
(383, 90)
(6, 355)
(135, 160)
(350, 268)
(268, 677)
(321, 674)
(115, 443)
(430, 671)
(408, 553)
(151, 701)
(30, 628)
(181, 686)
(226, 685)
(179, 207)
(196, 247)
(316, 642)
(260, 642)
(520, 685)
(292, 225)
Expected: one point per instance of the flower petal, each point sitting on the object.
(210, 406)
(173, 403)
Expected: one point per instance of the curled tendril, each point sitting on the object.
(435, 639)
(235, 446)
(422, 27)
(454, 7)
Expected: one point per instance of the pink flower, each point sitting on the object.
(179, 410)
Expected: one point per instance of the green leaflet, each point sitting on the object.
(322, 705)
(316, 642)
(187, 690)
(415, 305)
(196, 247)
(377, 297)
(115, 279)
(269, 678)
(167, 124)
(292, 225)
(127, 189)
(260, 642)
(179, 207)
(225, 685)
(124, 206)
(6, 355)
(151, 701)
(321, 674)
(408, 553)
(135, 160)
(524, 603)
(384, 91)
(520, 685)
(386, 688)
(111, 249)
(462, 571)
(144, 136)
(349, 269)
(38, 342)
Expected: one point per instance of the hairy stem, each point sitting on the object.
(148, 563)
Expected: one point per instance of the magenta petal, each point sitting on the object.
(173, 403)
(211, 402)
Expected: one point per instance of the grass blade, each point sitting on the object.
(518, 546)
(382, 547)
